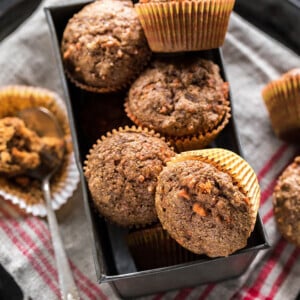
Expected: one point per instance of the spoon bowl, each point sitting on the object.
(44, 123)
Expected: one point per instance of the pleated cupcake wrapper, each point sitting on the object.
(108, 135)
(192, 142)
(282, 99)
(185, 25)
(108, 89)
(158, 247)
(65, 180)
(200, 141)
(231, 163)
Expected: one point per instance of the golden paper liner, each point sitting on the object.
(108, 135)
(154, 248)
(65, 180)
(189, 142)
(185, 25)
(282, 99)
(231, 163)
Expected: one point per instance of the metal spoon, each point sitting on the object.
(44, 123)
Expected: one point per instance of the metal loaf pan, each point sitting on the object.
(92, 115)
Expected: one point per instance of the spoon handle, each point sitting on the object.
(67, 285)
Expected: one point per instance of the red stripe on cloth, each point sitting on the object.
(275, 157)
(268, 191)
(284, 273)
(254, 291)
(90, 285)
(183, 294)
(40, 268)
(268, 216)
(158, 296)
(39, 255)
(207, 291)
(45, 238)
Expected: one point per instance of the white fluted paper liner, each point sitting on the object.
(62, 192)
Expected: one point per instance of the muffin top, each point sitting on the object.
(202, 208)
(103, 45)
(286, 201)
(179, 97)
(122, 172)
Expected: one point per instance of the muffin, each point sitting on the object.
(184, 25)
(121, 171)
(22, 150)
(282, 99)
(207, 200)
(152, 247)
(184, 99)
(286, 203)
(103, 46)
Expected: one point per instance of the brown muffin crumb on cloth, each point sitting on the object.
(286, 201)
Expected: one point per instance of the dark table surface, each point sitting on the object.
(278, 18)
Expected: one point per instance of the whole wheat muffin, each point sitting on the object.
(286, 201)
(180, 97)
(103, 46)
(202, 208)
(121, 172)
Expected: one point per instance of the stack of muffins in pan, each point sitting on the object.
(178, 197)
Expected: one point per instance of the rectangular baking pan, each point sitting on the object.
(92, 115)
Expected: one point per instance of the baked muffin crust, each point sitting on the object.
(286, 201)
(179, 97)
(202, 208)
(103, 45)
(122, 173)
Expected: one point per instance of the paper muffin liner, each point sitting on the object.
(189, 142)
(282, 99)
(154, 248)
(200, 141)
(108, 135)
(29, 196)
(185, 25)
(231, 163)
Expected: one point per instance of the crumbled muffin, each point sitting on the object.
(103, 45)
(19, 147)
(179, 97)
(121, 172)
(286, 202)
(22, 150)
(202, 208)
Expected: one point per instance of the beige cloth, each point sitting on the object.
(252, 59)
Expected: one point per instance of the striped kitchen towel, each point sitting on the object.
(251, 60)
